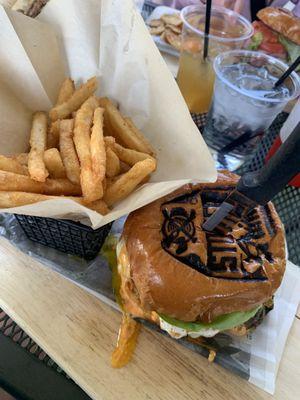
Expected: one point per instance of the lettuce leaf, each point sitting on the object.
(256, 41)
(292, 49)
(221, 323)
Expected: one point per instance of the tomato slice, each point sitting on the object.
(270, 43)
(272, 48)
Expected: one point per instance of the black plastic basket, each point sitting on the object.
(64, 235)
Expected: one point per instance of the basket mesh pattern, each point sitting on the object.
(66, 236)
(200, 120)
(287, 202)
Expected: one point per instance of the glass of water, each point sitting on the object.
(245, 103)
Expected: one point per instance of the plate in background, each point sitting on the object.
(160, 43)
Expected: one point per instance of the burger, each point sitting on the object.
(195, 283)
(277, 33)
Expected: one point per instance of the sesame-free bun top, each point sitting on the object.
(281, 21)
(181, 271)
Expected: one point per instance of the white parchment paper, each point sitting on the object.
(109, 39)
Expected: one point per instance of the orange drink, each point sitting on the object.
(197, 90)
(228, 30)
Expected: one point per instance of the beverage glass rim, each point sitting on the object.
(198, 7)
(272, 60)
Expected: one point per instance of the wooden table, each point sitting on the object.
(79, 333)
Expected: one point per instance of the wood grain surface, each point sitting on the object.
(79, 333)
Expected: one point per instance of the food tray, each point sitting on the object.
(64, 235)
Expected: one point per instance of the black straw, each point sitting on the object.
(207, 25)
(288, 72)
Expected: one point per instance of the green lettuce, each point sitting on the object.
(256, 41)
(221, 323)
(292, 49)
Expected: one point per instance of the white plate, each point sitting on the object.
(161, 44)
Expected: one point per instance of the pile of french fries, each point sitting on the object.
(84, 150)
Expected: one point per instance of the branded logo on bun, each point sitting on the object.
(234, 255)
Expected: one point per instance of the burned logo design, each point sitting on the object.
(238, 254)
(178, 229)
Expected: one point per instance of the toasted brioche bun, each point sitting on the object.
(157, 280)
(281, 21)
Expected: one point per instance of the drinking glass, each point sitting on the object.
(245, 103)
(228, 30)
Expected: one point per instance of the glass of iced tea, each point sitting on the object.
(228, 30)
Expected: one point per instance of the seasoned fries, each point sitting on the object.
(128, 156)
(144, 145)
(83, 122)
(123, 130)
(68, 152)
(17, 199)
(127, 182)
(98, 153)
(53, 135)
(12, 165)
(66, 91)
(21, 183)
(22, 158)
(74, 102)
(54, 164)
(90, 154)
(38, 137)
(113, 166)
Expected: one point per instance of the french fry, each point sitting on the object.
(121, 129)
(10, 181)
(96, 158)
(128, 156)
(12, 165)
(127, 182)
(90, 189)
(22, 158)
(145, 145)
(98, 153)
(38, 137)
(66, 91)
(80, 95)
(68, 152)
(53, 134)
(98, 205)
(54, 163)
(17, 199)
(113, 167)
(124, 167)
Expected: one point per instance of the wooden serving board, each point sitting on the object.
(79, 333)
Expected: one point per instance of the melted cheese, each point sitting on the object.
(128, 334)
(129, 300)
